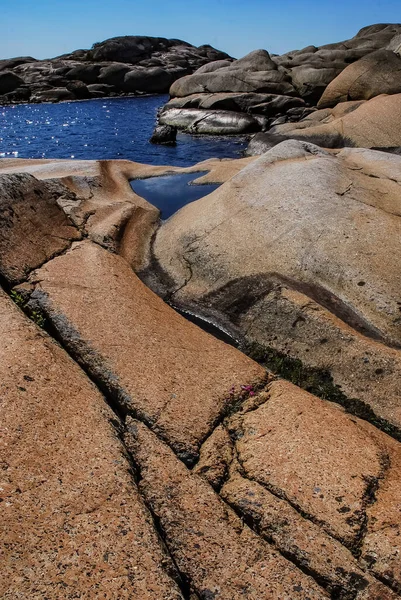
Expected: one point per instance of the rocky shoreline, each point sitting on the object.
(162, 461)
(305, 94)
(142, 457)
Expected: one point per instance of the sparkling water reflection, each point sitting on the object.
(95, 129)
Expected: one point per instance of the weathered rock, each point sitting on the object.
(381, 549)
(10, 63)
(33, 228)
(219, 556)
(216, 455)
(316, 225)
(79, 89)
(299, 538)
(53, 95)
(221, 122)
(314, 492)
(133, 49)
(113, 74)
(177, 354)
(378, 73)
(213, 66)
(332, 489)
(73, 522)
(234, 79)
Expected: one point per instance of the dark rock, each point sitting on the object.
(9, 82)
(85, 73)
(10, 63)
(164, 134)
(113, 74)
(99, 90)
(147, 80)
(53, 95)
(158, 63)
(262, 142)
(79, 89)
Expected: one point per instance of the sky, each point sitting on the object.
(47, 28)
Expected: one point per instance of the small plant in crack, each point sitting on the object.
(34, 314)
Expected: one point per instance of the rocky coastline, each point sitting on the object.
(306, 94)
(143, 457)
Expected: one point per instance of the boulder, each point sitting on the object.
(10, 63)
(214, 122)
(164, 134)
(255, 72)
(213, 66)
(113, 74)
(303, 73)
(86, 73)
(53, 95)
(149, 80)
(79, 89)
(378, 73)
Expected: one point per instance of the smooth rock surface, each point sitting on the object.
(378, 73)
(371, 124)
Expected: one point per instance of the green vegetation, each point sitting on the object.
(34, 314)
(315, 381)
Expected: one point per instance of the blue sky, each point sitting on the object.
(46, 28)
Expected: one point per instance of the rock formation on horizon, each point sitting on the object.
(118, 66)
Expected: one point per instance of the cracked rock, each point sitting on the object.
(217, 554)
(72, 521)
(155, 363)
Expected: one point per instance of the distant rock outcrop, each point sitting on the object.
(278, 89)
(121, 65)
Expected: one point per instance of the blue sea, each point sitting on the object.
(103, 129)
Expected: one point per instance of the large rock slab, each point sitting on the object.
(290, 252)
(220, 557)
(293, 199)
(73, 523)
(213, 122)
(157, 365)
(33, 228)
